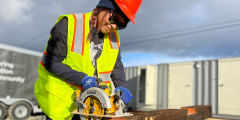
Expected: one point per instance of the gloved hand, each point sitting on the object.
(88, 82)
(126, 94)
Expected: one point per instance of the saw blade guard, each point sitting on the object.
(98, 93)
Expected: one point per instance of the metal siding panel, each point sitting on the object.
(160, 88)
(195, 74)
(135, 90)
(214, 87)
(165, 87)
(131, 77)
(200, 84)
(228, 86)
(155, 86)
(131, 86)
(180, 85)
(206, 83)
(126, 73)
(128, 78)
(149, 98)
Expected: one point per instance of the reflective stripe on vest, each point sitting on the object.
(113, 40)
(79, 34)
(105, 76)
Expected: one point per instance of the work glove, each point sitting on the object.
(126, 94)
(88, 82)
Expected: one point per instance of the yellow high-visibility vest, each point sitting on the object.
(55, 95)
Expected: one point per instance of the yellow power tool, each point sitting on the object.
(96, 103)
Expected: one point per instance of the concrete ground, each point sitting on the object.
(32, 117)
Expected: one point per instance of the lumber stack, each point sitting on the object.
(199, 112)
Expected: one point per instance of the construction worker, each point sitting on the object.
(81, 48)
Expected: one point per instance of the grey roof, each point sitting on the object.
(20, 50)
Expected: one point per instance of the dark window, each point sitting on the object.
(142, 86)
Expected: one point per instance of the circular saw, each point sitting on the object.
(96, 103)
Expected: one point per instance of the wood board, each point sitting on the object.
(108, 116)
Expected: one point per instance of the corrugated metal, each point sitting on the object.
(214, 86)
(210, 82)
(199, 81)
(146, 98)
(205, 81)
(132, 81)
(162, 82)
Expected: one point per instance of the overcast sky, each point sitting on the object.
(165, 30)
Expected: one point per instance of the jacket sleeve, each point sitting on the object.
(57, 51)
(118, 75)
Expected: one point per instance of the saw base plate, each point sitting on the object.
(108, 116)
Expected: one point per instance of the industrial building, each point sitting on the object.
(173, 85)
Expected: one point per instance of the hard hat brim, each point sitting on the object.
(126, 11)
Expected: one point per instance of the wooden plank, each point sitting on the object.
(109, 116)
(199, 112)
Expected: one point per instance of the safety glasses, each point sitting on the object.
(114, 20)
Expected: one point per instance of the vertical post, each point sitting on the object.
(206, 98)
(195, 78)
(200, 84)
(214, 87)
(165, 86)
(159, 87)
(138, 87)
(135, 69)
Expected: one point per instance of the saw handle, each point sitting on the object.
(99, 80)
(119, 94)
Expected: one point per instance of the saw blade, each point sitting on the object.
(93, 106)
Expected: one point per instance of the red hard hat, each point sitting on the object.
(129, 7)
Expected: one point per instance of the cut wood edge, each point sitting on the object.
(109, 116)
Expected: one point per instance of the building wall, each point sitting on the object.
(132, 75)
(180, 86)
(229, 86)
(210, 82)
